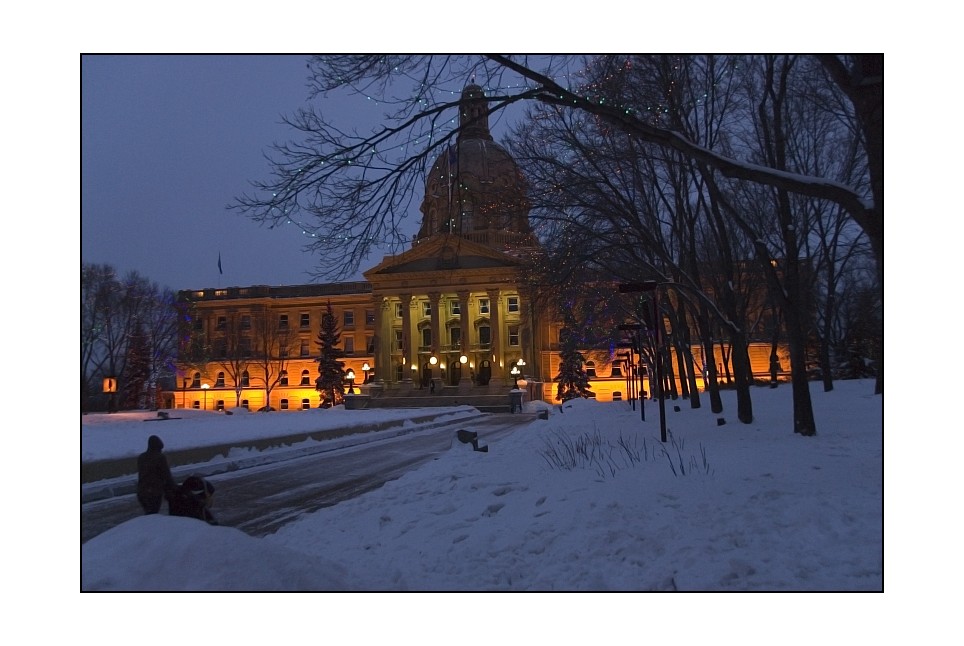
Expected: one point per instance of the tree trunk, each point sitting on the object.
(742, 377)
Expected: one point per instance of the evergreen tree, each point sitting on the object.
(572, 378)
(331, 371)
(137, 369)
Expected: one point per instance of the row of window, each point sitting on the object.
(455, 336)
(244, 321)
(219, 404)
(219, 382)
(348, 316)
(455, 308)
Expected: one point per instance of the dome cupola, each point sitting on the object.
(475, 189)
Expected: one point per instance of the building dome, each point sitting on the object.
(475, 189)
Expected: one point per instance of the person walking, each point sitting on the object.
(154, 481)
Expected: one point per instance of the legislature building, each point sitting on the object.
(449, 321)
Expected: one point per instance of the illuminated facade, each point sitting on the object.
(452, 310)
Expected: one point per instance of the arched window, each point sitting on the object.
(283, 380)
(305, 378)
(196, 382)
(284, 404)
(245, 379)
(590, 369)
(305, 404)
(219, 382)
(617, 369)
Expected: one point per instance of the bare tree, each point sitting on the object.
(273, 349)
(351, 190)
(117, 313)
(233, 350)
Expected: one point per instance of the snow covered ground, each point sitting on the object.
(589, 500)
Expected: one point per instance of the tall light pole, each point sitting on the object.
(365, 369)
(653, 287)
(205, 387)
(350, 375)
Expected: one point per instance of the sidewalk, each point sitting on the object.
(109, 478)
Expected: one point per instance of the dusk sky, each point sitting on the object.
(167, 142)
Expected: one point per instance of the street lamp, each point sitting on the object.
(515, 376)
(110, 387)
(365, 369)
(205, 387)
(350, 375)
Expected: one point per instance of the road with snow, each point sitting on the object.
(261, 499)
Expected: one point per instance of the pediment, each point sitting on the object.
(443, 253)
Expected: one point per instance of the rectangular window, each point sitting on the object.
(305, 321)
(483, 306)
(349, 345)
(245, 346)
(514, 335)
(455, 336)
(399, 340)
(426, 337)
(283, 322)
(284, 378)
(398, 310)
(369, 318)
(369, 345)
(349, 318)
(455, 308)
(617, 370)
(513, 304)
(485, 335)
(426, 309)
(304, 347)
(245, 321)
(222, 323)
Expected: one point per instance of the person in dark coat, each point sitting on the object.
(193, 499)
(154, 481)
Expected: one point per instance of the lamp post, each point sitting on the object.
(365, 369)
(653, 286)
(515, 376)
(205, 387)
(350, 375)
(110, 387)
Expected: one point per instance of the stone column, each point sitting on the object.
(435, 301)
(383, 340)
(464, 323)
(495, 322)
(409, 351)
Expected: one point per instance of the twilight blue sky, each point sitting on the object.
(168, 141)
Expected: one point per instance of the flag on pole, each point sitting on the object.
(220, 271)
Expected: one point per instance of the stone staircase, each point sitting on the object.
(488, 399)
